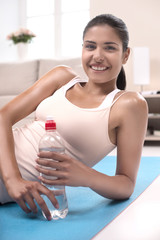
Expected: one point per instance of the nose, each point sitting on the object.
(98, 55)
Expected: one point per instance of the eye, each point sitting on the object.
(90, 47)
(110, 48)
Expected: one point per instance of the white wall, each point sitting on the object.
(143, 20)
(141, 16)
(9, 21)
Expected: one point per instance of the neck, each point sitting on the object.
(99, 88)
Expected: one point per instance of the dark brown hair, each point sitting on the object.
(121, 29)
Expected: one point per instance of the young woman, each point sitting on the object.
(93, 117)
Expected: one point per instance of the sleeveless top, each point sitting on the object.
(84, 132)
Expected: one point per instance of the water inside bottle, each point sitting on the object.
(60, 195)
(53, 149)
(58, 191)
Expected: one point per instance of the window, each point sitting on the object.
(58, 25)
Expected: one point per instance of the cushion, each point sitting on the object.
(46, 65)
(16, 77)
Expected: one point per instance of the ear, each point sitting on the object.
(126, 55)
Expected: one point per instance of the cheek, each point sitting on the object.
(118, 60)
(84, 61)
(118, 63)
(85, 58)
(118, 66)
(85, 55)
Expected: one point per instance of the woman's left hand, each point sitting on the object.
(66, 170)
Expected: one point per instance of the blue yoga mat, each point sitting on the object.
(88, 212)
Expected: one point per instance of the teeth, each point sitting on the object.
(98, 68)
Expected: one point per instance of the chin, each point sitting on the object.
(99, 80)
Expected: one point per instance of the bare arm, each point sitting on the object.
(14, 111)
(131, 129)
(130, 123)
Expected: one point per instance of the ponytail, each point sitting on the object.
(121, 80)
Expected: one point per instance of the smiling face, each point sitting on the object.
(102, 54)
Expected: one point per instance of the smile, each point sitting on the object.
(99, 68)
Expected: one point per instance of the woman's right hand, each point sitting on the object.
(27, 192)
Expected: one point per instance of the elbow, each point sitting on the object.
(1, 115)
(127, 194)
(4, 117)
(125, 190)
(128, 190)
(123, 196)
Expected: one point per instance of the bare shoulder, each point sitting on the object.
(64, 69)
(129, 107)
(59, 75)
(133, 101)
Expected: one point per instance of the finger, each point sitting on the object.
(23, 205)
(45, 191)
(42, 205)
(50, 174)
(51, 182)
(29, 200)
(48, 163)
(52, 155)
(52, 198)
(46, 171)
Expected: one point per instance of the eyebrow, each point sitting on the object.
(106, 43)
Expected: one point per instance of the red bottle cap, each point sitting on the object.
(50, 124)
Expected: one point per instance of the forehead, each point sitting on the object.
(102, 33)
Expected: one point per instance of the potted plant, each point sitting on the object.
(22, 35)
(21, 38)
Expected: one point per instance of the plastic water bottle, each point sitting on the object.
(52, 142)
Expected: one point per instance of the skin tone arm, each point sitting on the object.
(130, 123)
(20, 190)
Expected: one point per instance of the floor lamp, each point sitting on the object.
(141, 66)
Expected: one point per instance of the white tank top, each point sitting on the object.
(84, 131)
